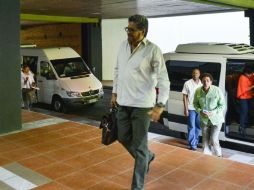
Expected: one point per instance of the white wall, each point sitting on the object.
(168, 32)
(112, 35)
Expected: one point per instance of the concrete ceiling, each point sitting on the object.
(105, 9)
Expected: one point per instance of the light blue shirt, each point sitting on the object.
(137, 74)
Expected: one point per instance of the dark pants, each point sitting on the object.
(29, 97)
(245, 105)
(133, 124)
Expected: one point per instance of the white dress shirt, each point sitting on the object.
(137, 74)
(189, 89)
(30, 80)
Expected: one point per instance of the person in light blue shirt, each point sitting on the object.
(209, 102)
(139, 69)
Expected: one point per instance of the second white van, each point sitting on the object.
(62, 76)
(225, 61)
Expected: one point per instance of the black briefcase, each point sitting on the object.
(109, 127)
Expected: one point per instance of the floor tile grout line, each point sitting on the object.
(218, 171)
(178, 167)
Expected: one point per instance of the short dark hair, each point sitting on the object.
(25, 66)
(248, 69)
(141, 21)
(207, 75)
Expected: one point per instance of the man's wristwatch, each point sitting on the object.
(160, 105)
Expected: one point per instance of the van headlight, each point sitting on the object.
(73, 94)
(100, 90)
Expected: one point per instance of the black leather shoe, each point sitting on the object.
(151, 159)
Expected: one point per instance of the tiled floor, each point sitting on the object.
(71, 156)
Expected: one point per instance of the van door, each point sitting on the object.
(46, 82)
(32, 62)
(234, 68)
(179, 71)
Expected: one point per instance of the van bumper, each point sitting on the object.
(83, 100)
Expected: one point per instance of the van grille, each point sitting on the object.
(90, 93)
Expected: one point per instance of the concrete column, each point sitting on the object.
(10, 95)
(92, 47)
(250, 13)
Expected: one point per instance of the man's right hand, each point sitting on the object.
(113, 100)
(186, 113)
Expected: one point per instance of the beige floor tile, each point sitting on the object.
(27, 174)
(163, 185)
(37, 162)
(44, 147)
(234, 176)
(81, 162)
(184, 179)
(52, 186)
(125, 178)
(107, 185)
(61, 154)
(207, 165)
(4, 186)
(79, 180)
(102, 170)
(211, 184)
(56, 170)
(19, 154)
(4, 161)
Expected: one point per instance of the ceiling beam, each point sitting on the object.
(245, 4)
(46, 18)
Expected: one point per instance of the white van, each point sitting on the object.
(62, 76)
(225, 62)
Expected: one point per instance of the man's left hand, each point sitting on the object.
(155, 113)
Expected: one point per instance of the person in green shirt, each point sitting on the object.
(209, 102)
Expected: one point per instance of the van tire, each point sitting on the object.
(58, 105)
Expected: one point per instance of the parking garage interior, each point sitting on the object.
(29, 138)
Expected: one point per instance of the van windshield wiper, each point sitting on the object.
(79, 76)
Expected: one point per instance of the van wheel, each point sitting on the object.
(58, 105)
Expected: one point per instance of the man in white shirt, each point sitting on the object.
(27, 82)
(188, 91)
(140, 68)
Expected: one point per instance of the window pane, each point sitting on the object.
(31, 61)
(70, 67)
(180, 71)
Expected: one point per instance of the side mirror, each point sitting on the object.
(93, 69)
(50, 76)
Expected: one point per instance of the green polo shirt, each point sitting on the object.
(212, 101)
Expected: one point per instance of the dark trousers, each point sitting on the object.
(133, 124)
(245, 105)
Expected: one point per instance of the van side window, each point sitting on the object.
(46, 70)
(31, 61)
(180, 71)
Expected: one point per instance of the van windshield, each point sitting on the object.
(70, 67)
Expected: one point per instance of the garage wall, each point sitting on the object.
(112, 36)
(53, 35)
